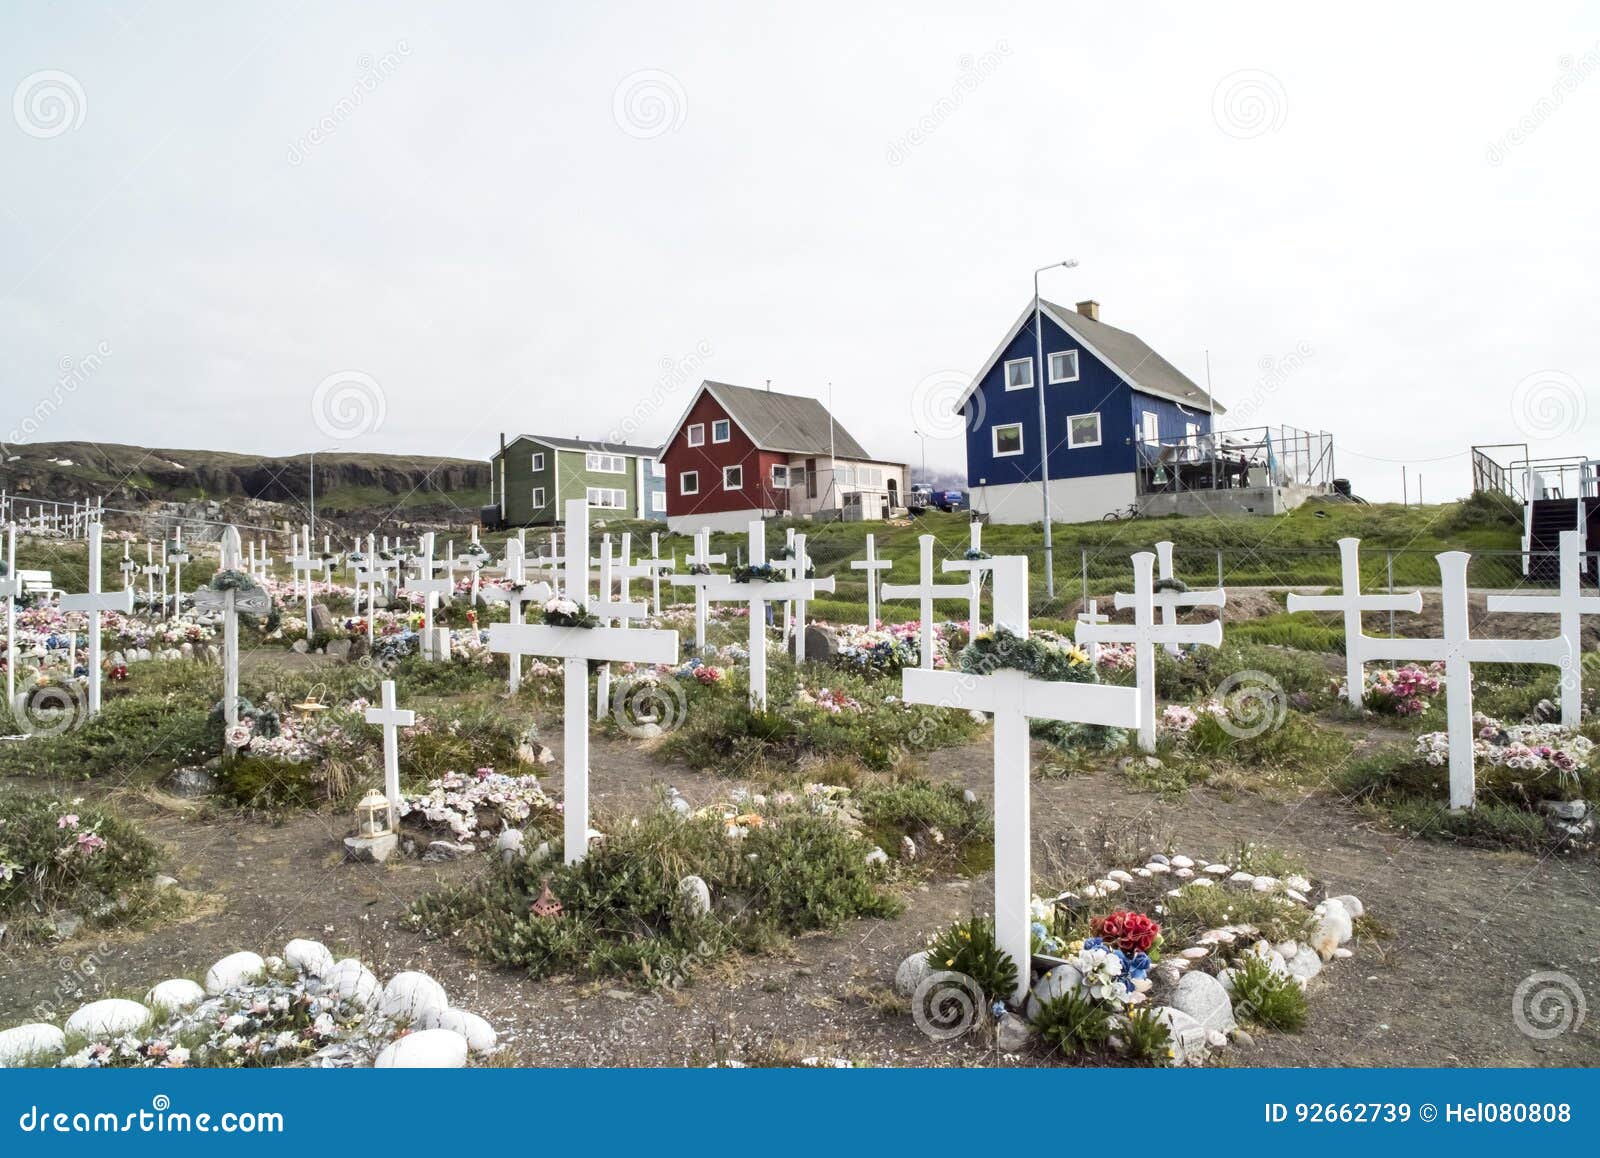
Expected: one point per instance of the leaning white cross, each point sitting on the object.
(1015, 698)
(230, 602)
(1571, 605)
(756, 594)
(701, 557)
(392, 719)
(1145, 633)
(871, 565)
(516, 594)
(927, 591)
(1352, 603)
(1459, 651)
(575, 647)
(94, 602)
(1091, 615)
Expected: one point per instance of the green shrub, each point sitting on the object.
(154, 733)
(1074, 1024)
(1266, 998)
(1145, 1038)
(915, 806)
(968, 947)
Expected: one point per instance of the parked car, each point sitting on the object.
(923, 496)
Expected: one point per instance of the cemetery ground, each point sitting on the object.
(1461, 908)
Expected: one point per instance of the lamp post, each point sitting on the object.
(924, 439)
(311, 471)
(1044, 427)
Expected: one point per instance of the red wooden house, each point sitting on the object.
(739, 454)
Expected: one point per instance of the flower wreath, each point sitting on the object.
(231, 580)
(560, 612)
(699, 569)
(1004, 649)
(758, 573)
(975, 554)
(1177, 585)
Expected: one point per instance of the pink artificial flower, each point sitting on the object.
(69, 820)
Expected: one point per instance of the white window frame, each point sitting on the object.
(1005, 374)
(618, 493)
(994, 440)
(784, 467)
(658, 502)
(602, 463)
(1149, 427)
(738, 468)
(683, 482)
(1075, 444)
(1050, 366)
(537, 462)
(697, 434)
(538, 496)
(725, 426)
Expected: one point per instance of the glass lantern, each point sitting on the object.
(372, 814)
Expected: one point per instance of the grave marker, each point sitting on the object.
(927, 591)
(1571, 605)
(231, 602)
(392, 719)
(93, 602)
(871, 565)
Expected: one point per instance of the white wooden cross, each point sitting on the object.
(151, 570)
(1571, 605)
(392, 719)
(516, 595)
(371, 572)
(608, 609)
(430, 589)
(11, 587)
(789, 569)
(657, 567)
(94, 602)
(177, 557)
(551, 562)
(575, 647)
(128, 567)
(473, 561)
(1015, 698)
(701, 557)
(756, 595)
(230, 603)
(1459, 651)
(1091, 614)
(1352, 603)
(303, 566)
(799, 564)
(927, 591)
(975, 567)
(328, 560)
(1170, 601)
(1145, 633)
(871, 565)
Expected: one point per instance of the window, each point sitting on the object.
(1007, 439)
(538, 461)
(1019, 374)
(733, 478)
(606, 497)
(780, 475)
(606, 463)
(1063, 366)
(658, 468)
(1083, 430)
(538, 497)
(1149, 426)
(721, 431)
(689, 482)
(697, 434)
(658, 501)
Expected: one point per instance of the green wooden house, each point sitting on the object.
(535, 475)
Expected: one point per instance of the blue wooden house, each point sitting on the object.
(1117, 416)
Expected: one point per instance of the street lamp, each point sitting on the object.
(1044, 428)
(311, 470)
(924, 438)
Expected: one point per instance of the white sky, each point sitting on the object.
(484, 238)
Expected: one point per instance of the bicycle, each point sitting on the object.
(1131, 511)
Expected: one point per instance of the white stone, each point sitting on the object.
(353, 981)
(413, 996)
(1011, 1033)
(1352, 905)
(1264, 884)
(1203, 998)
(308, 958)
(1241, 878)
(437, 1049)
(174, 996)
(1158, 868)
(1188, 1036)
(696, 892)
(1218, 870)
(234, 970)
(1183, 872)
(1180, 862)
(1304, 966)
(1297, 882)
(911, 973)
(1333, 928)
(35, 1042)
(1060, 980)
(1202, 883)
(479, 1033)
(509, 844)
(1116, 874)
(108, 1018)
(1195, 952)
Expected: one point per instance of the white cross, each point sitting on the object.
(473, 560)
(128, 567)
(1170, 601)
(11, 587)
(927, 591)
(392, 719)
(1144, 633)
(371, 572)
(1352, 603)
(1091, 615)
(151, 570)
(1015, 698)
(1571, 605)
(430, 589)
(94, 602)
(551, 562)
(302, 565)
(176, 558)
(516, 594)
(608, 609)
(657, 565)
(756, 595)
(328, 560)
(799, 564)
(871, 565)
(255, 601)
(575, 647)
(1459, 651)
(701, 558)
(975, 567)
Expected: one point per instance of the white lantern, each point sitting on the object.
(372, 814)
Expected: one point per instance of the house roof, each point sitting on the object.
(1129, 355)
(589, 444)
(784, 422)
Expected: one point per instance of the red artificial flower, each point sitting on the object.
(1130, 932)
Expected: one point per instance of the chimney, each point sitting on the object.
(1090, 309)
(502, 442)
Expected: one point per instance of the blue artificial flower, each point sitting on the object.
(1094, 943)
(998, 1009)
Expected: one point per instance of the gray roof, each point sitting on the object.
(592, 444)
(786, 422)
(1130, 354)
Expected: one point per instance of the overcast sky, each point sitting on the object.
(276, 228)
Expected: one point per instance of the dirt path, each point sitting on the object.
(1467, 927)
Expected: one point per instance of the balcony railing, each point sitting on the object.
(1258, 456)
